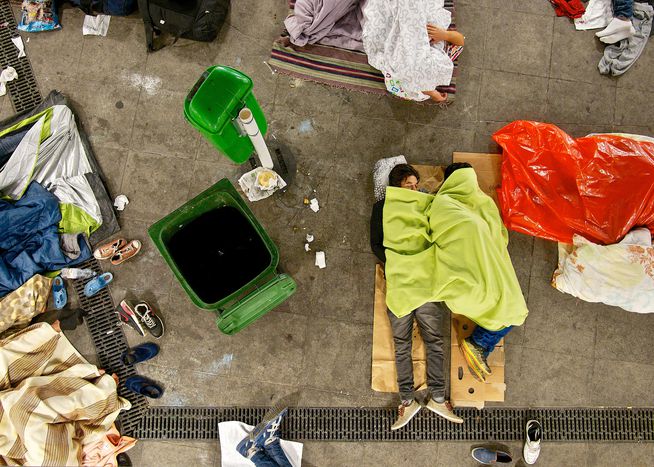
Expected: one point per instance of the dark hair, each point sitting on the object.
(401, 172)
(449, 170)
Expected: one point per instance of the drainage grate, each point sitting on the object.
(373, 424)
(110, 343)
(23, 90)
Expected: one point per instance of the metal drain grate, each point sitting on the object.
(23, 90)
(110, 343)
(373, 424)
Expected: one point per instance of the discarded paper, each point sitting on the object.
(315, 207)
(18, 42)
(309, 238)
(8, 74)
(260, 183)
(120, 202)
(307, 247)
(320, 259)
(96, 25)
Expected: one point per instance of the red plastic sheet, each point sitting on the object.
(554, 186)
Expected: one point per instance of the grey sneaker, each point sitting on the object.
(405, 412)
(476, 354)
(444, 409)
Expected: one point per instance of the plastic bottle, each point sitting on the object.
(77, 273)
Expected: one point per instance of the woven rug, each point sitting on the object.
(342, 68)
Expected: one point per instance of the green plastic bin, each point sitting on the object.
(223, 257)
(212, 108)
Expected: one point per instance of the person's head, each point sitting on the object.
(450, 169)
(404, 176)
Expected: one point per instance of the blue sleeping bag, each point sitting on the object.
(29, 238)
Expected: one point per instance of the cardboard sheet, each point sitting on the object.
(465, 390)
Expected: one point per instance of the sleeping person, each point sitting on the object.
(407, 40)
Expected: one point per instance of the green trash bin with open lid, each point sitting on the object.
(212, 107)
(223, 257)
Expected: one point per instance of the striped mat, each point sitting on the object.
(342, 68)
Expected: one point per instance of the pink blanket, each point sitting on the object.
(328, 22)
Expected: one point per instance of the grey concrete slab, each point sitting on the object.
(328, 345)
(509, 96)
(472, 22)
(605, 455)
(632, 107)
(175, 454)
(157, 129)
(434, 146)
(581, 65)
(179, 66)
(112, 163)
(521, 248)
(566, 99)
(368, 140)
(155, 184)
(526, 45)
(415, 454)
(619, 332)
(605, 390)
(321, 454)
(559, 322)
(638, 76)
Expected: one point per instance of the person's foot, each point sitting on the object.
(128, 317)
(476, 354)
(531, 450)
(617, 26)
(474, 370)
(444, 409)
(151, 321)
(436, 96)
(263, 434)
(488, 456)
(405, 412)
(618, 36)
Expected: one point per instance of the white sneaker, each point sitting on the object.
(533, 432)
(405, 413)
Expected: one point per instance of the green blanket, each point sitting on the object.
(450, 247)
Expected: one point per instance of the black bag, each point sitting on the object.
(198, 20)
(106, 7)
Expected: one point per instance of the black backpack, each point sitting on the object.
(106, 7)
(198, 20)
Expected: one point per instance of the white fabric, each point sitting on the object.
(620, 275)
(58, 163)
(599, 14)
(381, 172)
(396, 42)
(231, 433)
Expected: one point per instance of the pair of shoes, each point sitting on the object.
(616, 30)
(118, 250)
(264, 434)
(530, 451)
(139, 316)
(141, 384)
(59, 293)
(98, 283)
(475, 358)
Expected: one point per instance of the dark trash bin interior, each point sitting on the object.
(218, 253)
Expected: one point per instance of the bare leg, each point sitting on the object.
(437, 34)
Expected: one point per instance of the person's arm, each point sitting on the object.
(377, 231)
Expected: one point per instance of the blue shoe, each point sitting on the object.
(59, 293)
(491, 456)
(144, 386)
(262, 434)
(140, 353)
(98, 283)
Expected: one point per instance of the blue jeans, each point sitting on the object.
(488, 339)
(623, 8)
(271, 455)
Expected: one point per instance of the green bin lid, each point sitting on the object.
(217, 95)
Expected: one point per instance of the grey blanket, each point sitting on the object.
(618, 58)
(328, 22)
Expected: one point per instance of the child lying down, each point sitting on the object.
(407, 41)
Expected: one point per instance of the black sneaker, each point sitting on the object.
(150, 320)
(128, 317)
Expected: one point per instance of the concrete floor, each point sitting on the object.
(520, 62)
